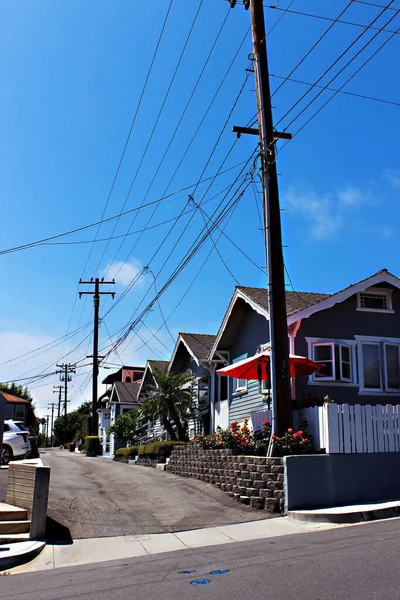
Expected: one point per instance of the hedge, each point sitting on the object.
(161, 449)
(92, 445)
(132, 451)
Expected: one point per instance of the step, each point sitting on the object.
(14, 527)
(356, 513)
(8, 512)
(13, 555)
(10, 538)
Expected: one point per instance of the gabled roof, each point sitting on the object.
(125, 393)
(151, 366)
(300, 305)
(198, 345)
(294, 300)
(10, 399)
(157, 365)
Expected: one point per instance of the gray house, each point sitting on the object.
(354, 333)
(191, 354)
(152, 430)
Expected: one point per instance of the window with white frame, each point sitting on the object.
(336, 361)
(239, 385)
(379, 366)
(375, 300)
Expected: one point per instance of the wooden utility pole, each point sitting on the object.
(52, 405)
(65, 376)
(58, 389)
(280, 377)
(96, 302)
(47, 428)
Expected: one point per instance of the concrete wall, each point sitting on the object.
(321, 481)
(28, 488)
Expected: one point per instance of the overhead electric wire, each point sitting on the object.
(344, 84)
(322, 18)
(144, 154)
(149, 71)
(195, 188)
(333, 64)
(171, 139)
(189, 255)
(364, 96)
(108, 219)
(211, 103)
(313, 48)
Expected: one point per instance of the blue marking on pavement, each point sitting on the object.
(200, 582)
(186, 572)
(220, 572)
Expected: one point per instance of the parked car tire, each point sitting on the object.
(6, 455)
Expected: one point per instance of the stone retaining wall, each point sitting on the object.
(253, 480)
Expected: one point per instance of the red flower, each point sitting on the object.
(236, 436)
(221, 443)
(246, 420)
(304, 440)
(213, 439)
(274, 437)
(290, 430)
(242, 443)
(295, 436)
(300, 432)
(233, 424)
(265, 422)
(247, 442)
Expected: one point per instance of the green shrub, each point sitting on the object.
(160, 449)
(132, 451)
(92, 445)
(293, 442)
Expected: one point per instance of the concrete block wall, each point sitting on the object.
(253, 480)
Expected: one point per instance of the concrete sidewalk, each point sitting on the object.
(95, 550)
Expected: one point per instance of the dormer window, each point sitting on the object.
(375, 300)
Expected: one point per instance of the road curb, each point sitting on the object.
(19, 553)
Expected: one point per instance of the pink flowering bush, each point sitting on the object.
(237, 437)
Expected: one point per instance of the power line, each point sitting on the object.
(127, 212)
(341, 71)
(323, 18)
(344, 84)
(156, 121)
(364, 96)
(333, 64)
(313, 47)
(133, 122)
(211, 103)
(161, 162)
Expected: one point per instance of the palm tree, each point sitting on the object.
(171, 402)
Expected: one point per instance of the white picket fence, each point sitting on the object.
(350, 429)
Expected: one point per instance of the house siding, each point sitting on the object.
(344, 322)
(251, 332)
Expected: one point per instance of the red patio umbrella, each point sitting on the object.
(257, 367)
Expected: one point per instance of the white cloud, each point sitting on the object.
(393, 177)
(326, 213)
(124, 273)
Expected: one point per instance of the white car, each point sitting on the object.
(15, 441)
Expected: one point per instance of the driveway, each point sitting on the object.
(97, 497)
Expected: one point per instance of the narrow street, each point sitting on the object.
(101, 498)
(349, 563)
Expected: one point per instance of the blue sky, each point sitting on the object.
(72, 74)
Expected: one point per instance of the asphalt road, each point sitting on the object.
(352, 563)
(101, 498)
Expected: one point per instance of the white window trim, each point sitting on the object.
(384, 291)
(380, 341)
(352, 344)
(237, 391)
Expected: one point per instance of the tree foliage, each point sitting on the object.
(171, 402)
(16, 390)
(126, 427)
(77, 424)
